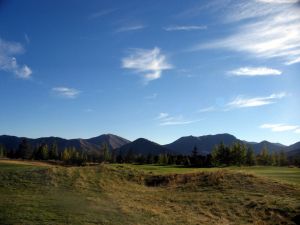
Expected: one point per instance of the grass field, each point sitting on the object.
(281, 174)
(38, 193)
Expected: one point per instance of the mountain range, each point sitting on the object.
(183, 145)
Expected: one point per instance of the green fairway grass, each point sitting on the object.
(282, 174)
(39, 193)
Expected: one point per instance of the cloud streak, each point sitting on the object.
(149, 63)
(66, 92)
(184, 28)
(269, 29)
(207, 109)
(280, 127)
(241, 102)
(166, 120)
(8, 62)
(101, 13)
(279, 1)
(297, 131)
(130, 28)
(255, 71)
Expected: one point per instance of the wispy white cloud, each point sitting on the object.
(100, 13)
(270, 29)
(149, 63)
(255, 71)
(130, 28)
(66, 92)
(296, 60)
(280, 127)
(178, 122)
(9, 63)
(162, 115)
(279, 1)
(207, 109)
(297, 131)
(166, 120)
(184, 28)
(241, 102)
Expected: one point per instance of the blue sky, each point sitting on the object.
(153, 69)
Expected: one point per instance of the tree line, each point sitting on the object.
(45, 152)
(237, 154)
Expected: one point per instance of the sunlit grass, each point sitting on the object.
(116, 194)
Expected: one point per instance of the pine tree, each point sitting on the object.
(24, 150)
(120, 158)
(282, 158)
(215, 156)
(150, 159)
(45, 152)
(250, 157)
(194, 158)
(129, 157)
(65, 156)
(3, 152)
(263, 158)
(238, 154)
(106, 154)
(272, 159)
(277, 160)
(163, 159)
(53, 152)
(195, 152)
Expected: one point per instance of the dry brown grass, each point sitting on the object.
(106, 194)
(25, 162)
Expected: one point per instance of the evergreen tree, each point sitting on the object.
(187, 161)
(195, 152)
(53, 152)
(225, 155)
(66, 156)
(120, 158)
(238, 154)
(84, 158)
(129, 157)
(215, 156)
(163, 159)
(282, 158)
(11, 154)
(250, 157)
(150, 159)
(194, 158)
(273, 161)
(106, 154)
(44, 152)
(277, 160)
(2, 151)
(171, 159)
(113, 157)
(263, 157)
(24, 150)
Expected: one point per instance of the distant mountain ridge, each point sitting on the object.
(142, 146)
(183, 145)
(206, 143)
(90, 145)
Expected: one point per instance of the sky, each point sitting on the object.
(153, 69)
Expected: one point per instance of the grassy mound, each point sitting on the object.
(106, 194)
